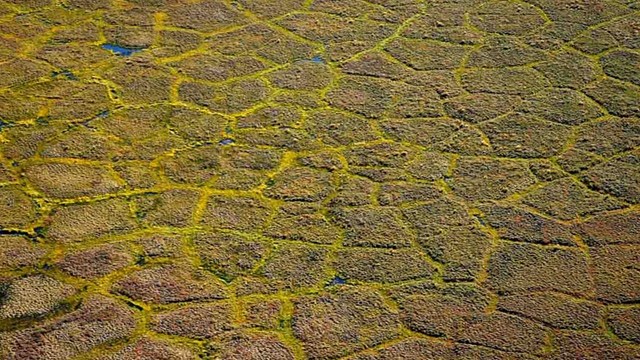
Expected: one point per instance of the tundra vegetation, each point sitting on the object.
(319, 179)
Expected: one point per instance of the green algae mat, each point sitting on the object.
(319, 179)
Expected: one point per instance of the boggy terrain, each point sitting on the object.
(319, 179)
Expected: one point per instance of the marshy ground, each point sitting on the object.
(319, 179)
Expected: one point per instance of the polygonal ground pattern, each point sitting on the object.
(319, 179)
